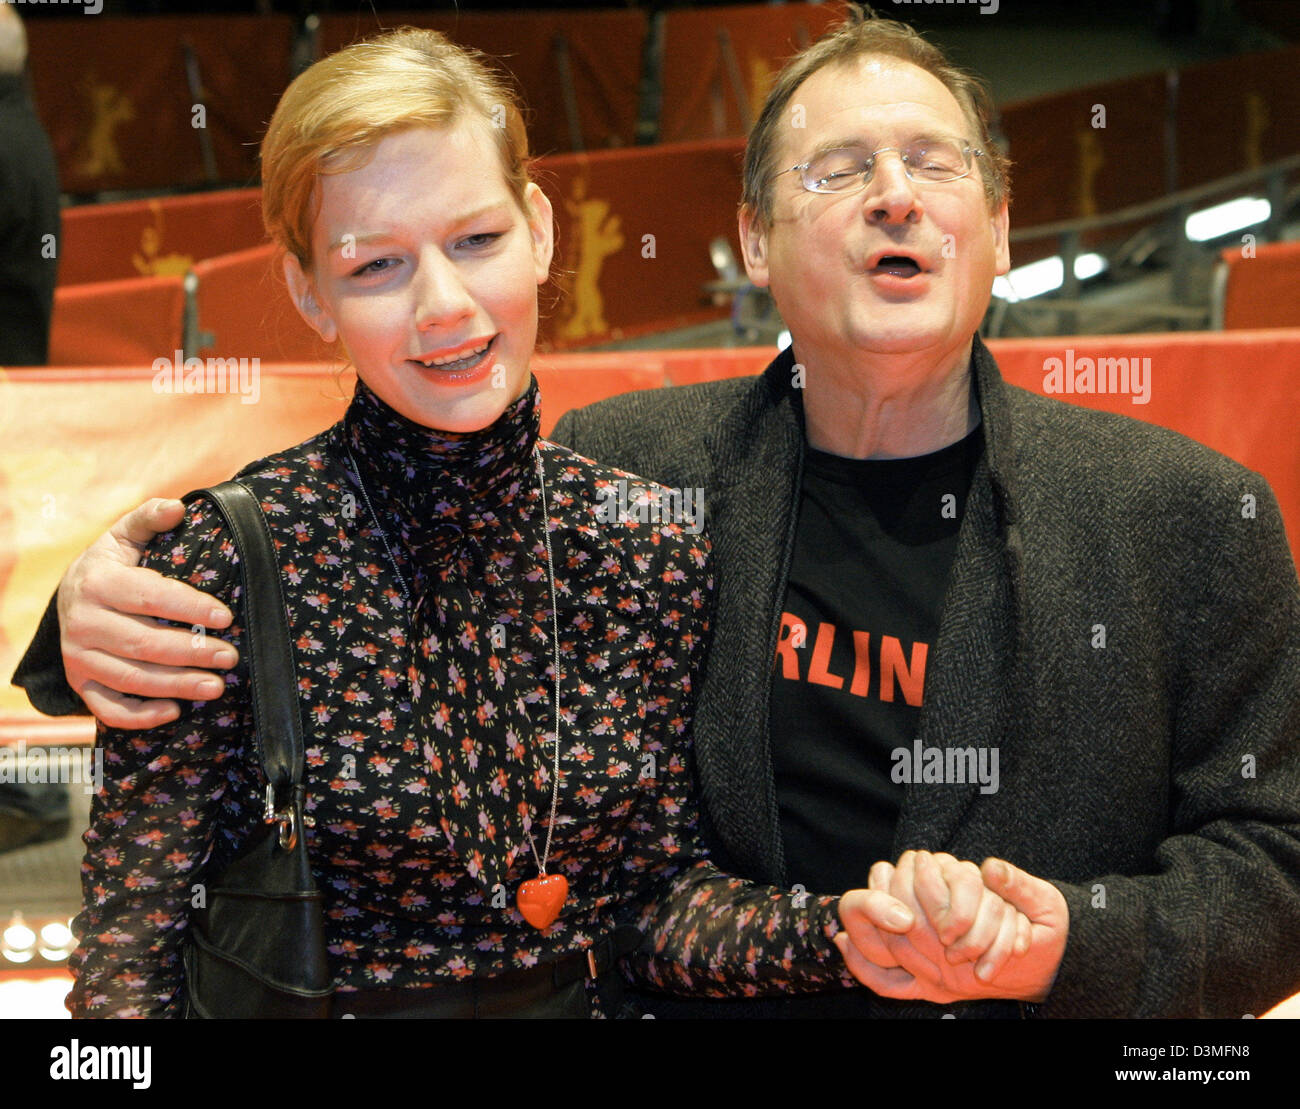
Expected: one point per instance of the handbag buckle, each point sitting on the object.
(286, 818)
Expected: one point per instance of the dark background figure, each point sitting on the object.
(29, 212)
(29, 209)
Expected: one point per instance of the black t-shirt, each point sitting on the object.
(874, 545)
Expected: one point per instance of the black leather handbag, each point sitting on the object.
(257, 948)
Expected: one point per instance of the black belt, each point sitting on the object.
(553, 989)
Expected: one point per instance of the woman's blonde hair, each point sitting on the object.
(333, 114)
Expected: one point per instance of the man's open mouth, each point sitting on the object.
(898, 265)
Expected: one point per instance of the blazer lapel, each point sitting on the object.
(971, 684)
(757, 454)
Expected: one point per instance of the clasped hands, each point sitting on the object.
(935, 928)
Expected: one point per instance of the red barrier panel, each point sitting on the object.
(1085, 152)
(1237, 113)
(244, 310)
(117, 322)
(719, 63)
(114, 95)
(162, 235)
(600, 51)
(633, 234)
(1263, 290)
(1237, 393)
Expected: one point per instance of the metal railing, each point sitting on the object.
(1170, 213)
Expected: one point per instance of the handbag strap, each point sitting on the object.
(277, 723)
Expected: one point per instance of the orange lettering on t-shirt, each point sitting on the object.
(785, 649)
(861, 663)
(911, 679)
(817, 669)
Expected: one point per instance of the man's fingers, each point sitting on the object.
(1040, 901)
(881, 875)
(142, 679)
(117, 711)
(1024, 933)
(985, 929)
(965, 893)
(136, 591)
(1002, 947)
(930, 889)
(128, 639)
(134, 531)
(877, 908)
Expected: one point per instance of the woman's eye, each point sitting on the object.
(379, 265)
(482, 239)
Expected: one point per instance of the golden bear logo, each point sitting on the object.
(149, 261)
(1257, 121)
(109, 110)
(1091, 159)
(597, 235)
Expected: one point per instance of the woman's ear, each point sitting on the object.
(541, 225)
(306, 300)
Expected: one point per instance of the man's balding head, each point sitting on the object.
(13, 42)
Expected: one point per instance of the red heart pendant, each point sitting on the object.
(541, 899)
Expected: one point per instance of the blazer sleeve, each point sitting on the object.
(40, 671)
(1215, 932)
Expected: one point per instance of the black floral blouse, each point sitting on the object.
(419, 601)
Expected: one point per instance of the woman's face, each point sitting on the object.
(427, 270)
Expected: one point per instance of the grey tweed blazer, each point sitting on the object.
(1154, 780)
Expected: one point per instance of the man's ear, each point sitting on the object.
(1002, 239)
(753, 245)
(307, 302)
(541, 225)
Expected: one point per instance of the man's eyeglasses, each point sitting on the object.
(927, 160)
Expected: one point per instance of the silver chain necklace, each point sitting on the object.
(555, 633)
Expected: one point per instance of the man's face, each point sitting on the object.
(822, 253)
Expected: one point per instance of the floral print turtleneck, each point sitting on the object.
(416, 581)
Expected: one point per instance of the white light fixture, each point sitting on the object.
(1044, 276)
(18, 937)
(56, 942)
(1224, 219)
(783, 340)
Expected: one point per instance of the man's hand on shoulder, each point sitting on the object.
(123, 664)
